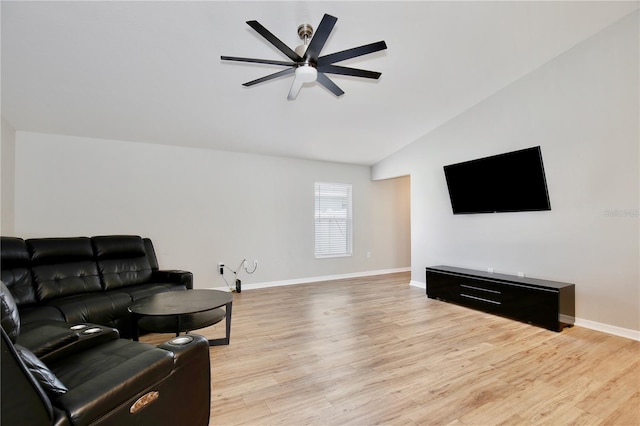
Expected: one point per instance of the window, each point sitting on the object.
(333, 220)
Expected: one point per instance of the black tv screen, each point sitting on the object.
(510, 182)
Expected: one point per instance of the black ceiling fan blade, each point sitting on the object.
(320, 37)
(270, 77)
(352, 53)
(355, 72)
(326, 82)
(274, 40)
(257, 61)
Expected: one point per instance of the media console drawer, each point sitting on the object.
(549, 304)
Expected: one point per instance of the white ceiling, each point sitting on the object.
(151, 71)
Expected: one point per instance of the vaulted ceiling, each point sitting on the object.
(150, 71)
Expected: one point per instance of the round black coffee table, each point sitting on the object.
(178, 311)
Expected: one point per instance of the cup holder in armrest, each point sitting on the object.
(78, 327)
(82, 328)
(181, 340)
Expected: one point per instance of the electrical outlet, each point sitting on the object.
(521, 274)
(490, 270)
(221, 268)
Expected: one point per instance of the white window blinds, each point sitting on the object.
(333, 220)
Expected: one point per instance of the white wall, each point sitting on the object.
(7, 178)
(204, 206)
(582, 109)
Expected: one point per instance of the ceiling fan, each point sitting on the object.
(306, 63)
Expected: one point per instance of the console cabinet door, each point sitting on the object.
(443, 286)
(532, 305)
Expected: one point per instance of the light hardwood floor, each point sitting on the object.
(376, 351)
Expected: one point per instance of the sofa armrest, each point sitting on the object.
(54, 339)
(182, 348)
(47, 338)
(191, 381)
(173, 276)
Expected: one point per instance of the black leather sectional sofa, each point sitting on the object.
(64, 308)
(84, 279)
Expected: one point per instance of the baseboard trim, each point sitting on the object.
(308, 280)
(418, 284)
(609, 329)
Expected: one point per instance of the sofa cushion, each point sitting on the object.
(47, 251)
(99, 308)
(63, 266)
(37, 313)
(122, 260)
(118, 246)
(84, 366)
(106, 381)
(54, 281)
(15, 262)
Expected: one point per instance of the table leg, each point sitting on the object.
(226, 339)
(135, 333)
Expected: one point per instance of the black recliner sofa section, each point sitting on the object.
(84, 279)
(84, 374)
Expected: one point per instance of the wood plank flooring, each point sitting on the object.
(374, 350)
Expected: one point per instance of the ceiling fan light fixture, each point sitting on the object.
(306, 73)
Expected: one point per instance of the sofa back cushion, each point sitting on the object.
(15, 273)
(122, 260)
(151, 253)
(63, 267)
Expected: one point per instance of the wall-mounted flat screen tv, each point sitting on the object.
(510, 182)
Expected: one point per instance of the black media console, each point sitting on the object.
(547, 304)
